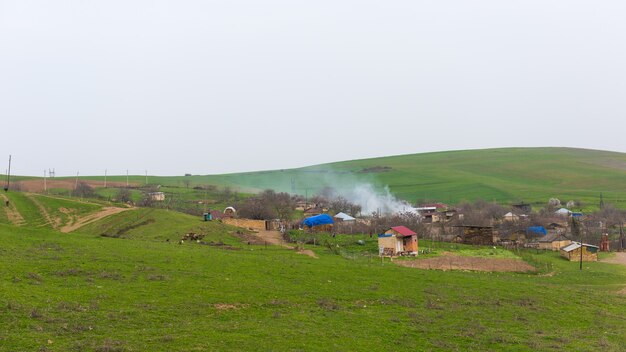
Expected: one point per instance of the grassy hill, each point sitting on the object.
(83, 292)
(505, 175)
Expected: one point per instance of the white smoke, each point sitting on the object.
(371, 201)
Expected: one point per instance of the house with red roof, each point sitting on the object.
(398, 240)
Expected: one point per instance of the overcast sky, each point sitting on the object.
(222, 86)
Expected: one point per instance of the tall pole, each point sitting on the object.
(6, 187)
(45, 188)
(581, 249)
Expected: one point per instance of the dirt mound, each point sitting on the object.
(456, 262)
(36, 186)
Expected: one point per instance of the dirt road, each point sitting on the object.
(275, 238)
(88, 219)
(12, 213)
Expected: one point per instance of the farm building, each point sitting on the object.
(157, 196)
(343, 217)
(510, 217)
(480, 235)
(319, 223)
(572, 252)
(398, 240)
(553, 241)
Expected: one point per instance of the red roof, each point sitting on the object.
(404, 231)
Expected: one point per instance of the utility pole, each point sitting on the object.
(45, 188)
(6, 187)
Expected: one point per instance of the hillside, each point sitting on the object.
(505, 175)
(36, 210)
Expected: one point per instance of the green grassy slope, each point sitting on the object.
(61, 292)
(47, 211)
(505, 175)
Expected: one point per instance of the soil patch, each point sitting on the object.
(455, 262)
(36, 186)
(619, 258)
(275, 238)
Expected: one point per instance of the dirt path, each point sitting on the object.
(275, 238)
(12, 213)
(619, 258)
(88, 219)
(457, 262)
(55, 223)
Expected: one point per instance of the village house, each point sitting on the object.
(157, 196)
(343, 217)
(553, 241)
(398, 240)
(572, 252)
(510, 217)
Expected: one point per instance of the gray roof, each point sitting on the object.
(576, 245)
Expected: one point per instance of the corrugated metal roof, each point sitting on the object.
(576, 245)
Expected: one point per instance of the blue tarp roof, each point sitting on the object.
(322, 219)
(537, 229)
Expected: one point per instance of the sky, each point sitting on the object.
(210, 87)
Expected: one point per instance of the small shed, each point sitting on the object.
(572, 252)
(398, 240)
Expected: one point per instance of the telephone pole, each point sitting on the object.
(6, 187)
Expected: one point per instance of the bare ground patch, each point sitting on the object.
(455, 262)
(36, 186)
(619, 258)
(275, 238)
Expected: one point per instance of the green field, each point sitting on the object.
(505, 175)
(139, 292)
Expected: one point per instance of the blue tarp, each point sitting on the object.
(540, 230)
(322, 219)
